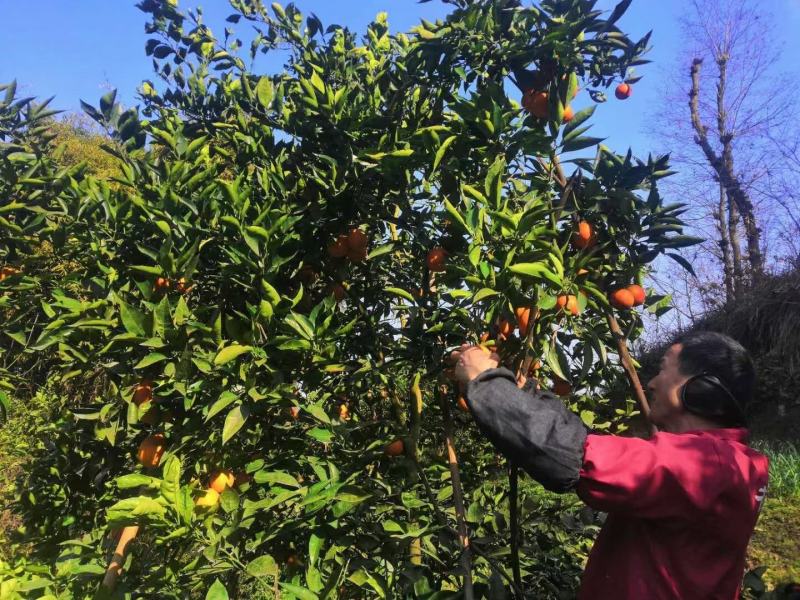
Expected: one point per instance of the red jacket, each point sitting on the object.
(681, 510)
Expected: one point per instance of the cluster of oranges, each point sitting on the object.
(7, 272)
(537, 102)
(352, 245)
(164, 284)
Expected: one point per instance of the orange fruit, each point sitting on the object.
(292, 560)
(568, 302)
(504, 327)
(357, 254)
(208, 500)
(162, 283)
(7, 272)
(523, 315)
(561, 387)
(462, 404)
(436, 259)
(338, 248)
(143, 392)
(638, 294)
(536, 103)
(623, 91)
(396, 448)
(622, 298)
(181, 285)
(295, 411)
(221, 480)
(344, 412)
(584, 237)
(568, 114)
(338, 291)
(151, 450)
(357, 239)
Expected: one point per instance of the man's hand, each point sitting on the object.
(471, 361)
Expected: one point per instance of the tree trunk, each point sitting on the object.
(724, 168)
(721, 217)
(739, 283)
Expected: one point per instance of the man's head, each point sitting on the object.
(694, 354)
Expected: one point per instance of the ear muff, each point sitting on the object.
(705, 395)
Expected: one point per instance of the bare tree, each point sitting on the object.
(736, 147)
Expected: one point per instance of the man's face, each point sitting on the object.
(665, 388)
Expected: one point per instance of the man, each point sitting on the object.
(681, 505)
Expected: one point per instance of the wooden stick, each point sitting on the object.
(114, 569)
(458, 499)
(630, 370)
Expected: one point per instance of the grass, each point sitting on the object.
(784, 467)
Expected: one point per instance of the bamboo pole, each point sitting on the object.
(458, 499)
(114, 569)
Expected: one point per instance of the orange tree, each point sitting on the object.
(270, 287)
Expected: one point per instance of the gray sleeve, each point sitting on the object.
(534, 430)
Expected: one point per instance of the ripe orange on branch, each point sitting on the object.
(623, 91)
(436, 259)
(622, 298)
(462, 404)
(638, 293)
(221, 480)
(151, 450)
(357, 239)
(569, 114)
(162, 283)
(143, 392)
(561, 387)
(536, 103)
(396, 448)
(584, 237)
(523, 315)
(209, 499)
(339, 248)
(7, 272)
(568, 303)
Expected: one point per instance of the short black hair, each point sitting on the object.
(720, 355)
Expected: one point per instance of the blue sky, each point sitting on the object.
(77, 49)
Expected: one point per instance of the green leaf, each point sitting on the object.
(263, 566)
(133, 320)
(399, 292)
(535, 270)
(381, 250)
(230, 353)
(442, 149)
(483, 293)
(217, 591)
(580, 143)
(578, 120)
(453, 212)
(301, 325)
(225, 399)
(135, 480)
(276, 477)
(264, 91)
(150, 359)
(234, 422)
(553, 359)
(682, 262)
(299, 591)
